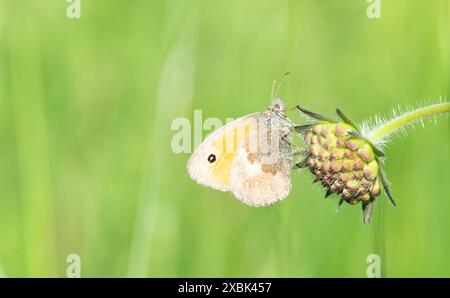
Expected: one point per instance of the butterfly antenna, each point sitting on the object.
(277, 84)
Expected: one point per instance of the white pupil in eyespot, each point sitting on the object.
(211, 158)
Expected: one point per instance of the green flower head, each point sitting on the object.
(343, 161)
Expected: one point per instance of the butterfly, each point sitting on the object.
(251, 157)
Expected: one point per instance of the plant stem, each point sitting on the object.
(386, 129)
(377, 135)
(379, 237)
(2, 273)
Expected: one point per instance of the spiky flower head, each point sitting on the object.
(345, 162)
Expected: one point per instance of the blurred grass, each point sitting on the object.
(85, 113)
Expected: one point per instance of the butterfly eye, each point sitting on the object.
(211, 158)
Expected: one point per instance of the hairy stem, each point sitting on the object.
(386, 129)
(377, 135)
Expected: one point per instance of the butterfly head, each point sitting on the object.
(276, 106)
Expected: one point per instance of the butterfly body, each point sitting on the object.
(250, 156)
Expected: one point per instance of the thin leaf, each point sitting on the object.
(346, 119)
(386, 187)
(314, 115)
(303, 128)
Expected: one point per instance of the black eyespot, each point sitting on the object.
(211, 158)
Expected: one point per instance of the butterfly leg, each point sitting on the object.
(297, 149)
(300, 151)
(302, 164)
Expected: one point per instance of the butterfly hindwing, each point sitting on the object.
(257, 184)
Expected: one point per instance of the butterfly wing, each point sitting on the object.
(261, 177)
(235, 158)
(211, 162)
(257, 184)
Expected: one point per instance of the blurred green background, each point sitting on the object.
(86, 107)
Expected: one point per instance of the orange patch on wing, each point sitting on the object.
(227, 145)
(271, 168)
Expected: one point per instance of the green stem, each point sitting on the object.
(2, 273)
(386, 129)
(379, 237)
(377, 135)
